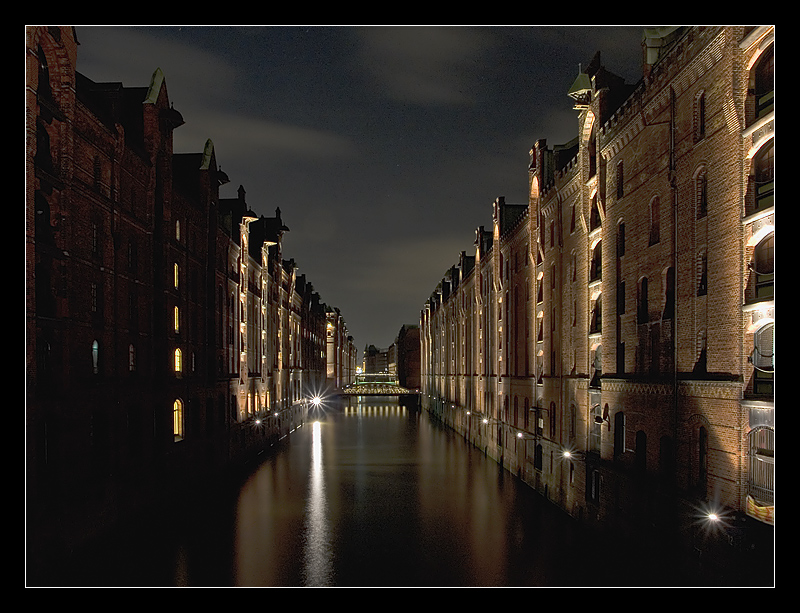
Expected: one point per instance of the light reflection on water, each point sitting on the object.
(373, 494)
(317, 551)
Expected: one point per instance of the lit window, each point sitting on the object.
(177, 318)
(177, 420)
(176, 275)
(178, 360)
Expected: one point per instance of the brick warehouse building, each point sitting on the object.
(625, 313)
(167, 338)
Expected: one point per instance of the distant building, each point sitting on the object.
(626, 311)
(375, 360)
(407, 360)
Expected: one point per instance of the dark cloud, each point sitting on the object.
(383, 146)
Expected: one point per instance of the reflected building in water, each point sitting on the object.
(625, 313)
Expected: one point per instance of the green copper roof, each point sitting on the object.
(155, 86)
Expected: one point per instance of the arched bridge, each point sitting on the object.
(376, 384)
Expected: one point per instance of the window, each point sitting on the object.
(700, 116)
(176, 275)
(177, 320)
(597, 316)
(764, 265)
(701, 350)
(131, 358)
(620, 239)
(95, 239)
(764, 176)
(594, 485)
(596, 267)
(669, 294)
(761, 484)
(573, 422)
(763, 359)
(702, 271)
(133, 256)
(178, 361)
(643, 310)
(177, 420)
(594, 215)
(95, 357)
(701, 187)
(655, 221)
(765, 83)
(97, 172)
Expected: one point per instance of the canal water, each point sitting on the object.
(371, 494)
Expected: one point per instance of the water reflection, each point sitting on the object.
(317, 551)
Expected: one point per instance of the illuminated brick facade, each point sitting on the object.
(626, 311)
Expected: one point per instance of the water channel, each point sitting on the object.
(372, 494)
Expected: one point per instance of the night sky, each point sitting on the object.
(384, 147)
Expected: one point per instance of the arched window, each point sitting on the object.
(95, 357)
(596, 324)
(596, 268)
(764, 265)
(701, 193)
(700, 116)
(764, 74)
(178, 361)
(177, 420)
(763, 359)
(595, 220)
(176, 320)
(764, 176)
(176, 275)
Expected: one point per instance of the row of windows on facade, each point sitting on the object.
(763, 256)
